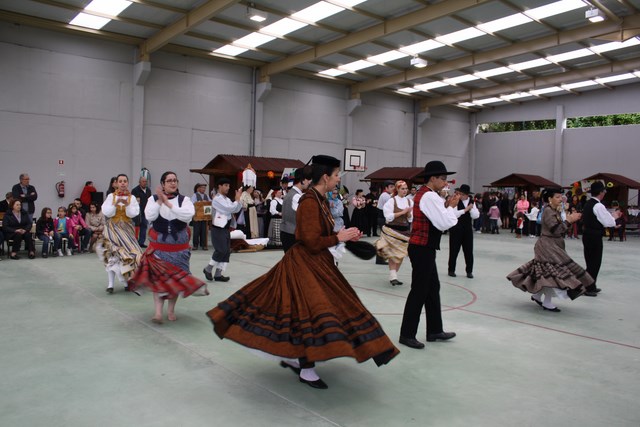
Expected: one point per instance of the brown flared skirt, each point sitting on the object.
(303, 308)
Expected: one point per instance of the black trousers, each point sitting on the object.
(221, 241)
(200, 234)
(460, 238)
(425, 292)
(592, 256)
(19, 238)
(287, 240)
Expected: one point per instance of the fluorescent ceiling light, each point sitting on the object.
(594, 15)
(567, 56)
(460, 79)
(577, 85)
(416, 48)
(555, 8)
(429, 86)
(619, 77)
(615, 45)
(256, 15)
(504, 23)
(282, 27)
(317, 12)
(467, 104)
(458, 36)
(333, 72)
(230, 50)
(487, 101)
(546, 90)
(350, 3)
(108, 7)
(253, 40)
(357, 65)
(529, 64)
(516, 95)
(89, 21)
(392, 55)
(408, 90)
(493, 72)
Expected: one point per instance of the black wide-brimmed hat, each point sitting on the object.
(223, 180)
(464, 189)
(435, 168)
(324, 160)
(597, 187)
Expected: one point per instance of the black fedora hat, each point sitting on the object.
(464, 189)
(435, 168)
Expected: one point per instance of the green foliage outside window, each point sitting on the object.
(574, 122)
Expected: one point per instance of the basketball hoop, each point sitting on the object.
(359, 168)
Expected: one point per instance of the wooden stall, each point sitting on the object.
(617, 187)
(412, 176)
(524, 182)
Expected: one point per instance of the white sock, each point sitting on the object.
(309, 374)
(393, 275)
(111, 275)
(537, 296)
(547, 301)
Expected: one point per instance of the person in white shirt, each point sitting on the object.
(200, 227)
(119, 249)
(222, 211)
(431, 216)
(461, 234)
(595, 218)
(385, 195)
(394, 238)
(301, 182)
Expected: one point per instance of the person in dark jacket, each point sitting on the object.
(26, 193)
(16, 226)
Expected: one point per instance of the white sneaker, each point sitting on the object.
(60, 252)
(69, 252)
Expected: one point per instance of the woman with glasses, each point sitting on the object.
(119, 248)
(164, 268)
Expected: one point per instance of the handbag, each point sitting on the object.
(499, 222)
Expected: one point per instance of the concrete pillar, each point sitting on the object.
(561, 125)
(141, 71)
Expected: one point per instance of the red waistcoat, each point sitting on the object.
(421, 224)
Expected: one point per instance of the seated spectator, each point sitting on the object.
(85, 196)
(80, 208)
(79, 227)
(95, 221)
(16, 226)
(45, 231)
(4, 205)
(61, 225)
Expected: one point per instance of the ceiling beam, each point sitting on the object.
(590, 31)
(537, 82)
(391, 26)
(192, 19)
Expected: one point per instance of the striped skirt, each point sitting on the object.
(392, 245)
(118, 248)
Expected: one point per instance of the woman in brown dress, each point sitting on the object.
(303, 310)
(552, 273)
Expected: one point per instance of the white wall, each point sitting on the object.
(585, 151)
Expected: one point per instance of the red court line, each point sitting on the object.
(474, 298)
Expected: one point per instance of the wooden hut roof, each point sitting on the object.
(523, 180)
(616, 179)
(395, 173)
(230, 164)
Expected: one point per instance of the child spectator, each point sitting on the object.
(45, 231)
(572, 231)
(95, 222)
(519, 225)
(79, 227)
(494, 216)
(61, 225)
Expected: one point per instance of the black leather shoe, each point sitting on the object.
(411, 342)
(452, 274)
(14, 257)
(554, 309)
(597, 290)
(293, 368)
(319, 384)
(208, 274)
(536, 301)
(470, 276)
(442, 336)
(109, 290)
(395, 282)
(221, 278)
(126, 288)
(590, 294)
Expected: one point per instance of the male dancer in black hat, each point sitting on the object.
(461, 234)
(430, 218)
(595, 218)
